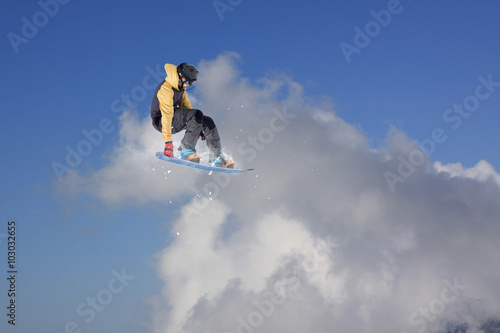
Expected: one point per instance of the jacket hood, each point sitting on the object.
(172, 76)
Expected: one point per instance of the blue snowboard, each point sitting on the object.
(176, 160)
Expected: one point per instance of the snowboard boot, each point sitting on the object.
(221, 162)
(189, 155)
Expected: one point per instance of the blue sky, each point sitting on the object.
(65, 77)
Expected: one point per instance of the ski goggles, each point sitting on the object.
(186, 81)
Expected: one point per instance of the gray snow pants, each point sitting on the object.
(196, 123)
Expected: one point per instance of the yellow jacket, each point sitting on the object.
(170, 97)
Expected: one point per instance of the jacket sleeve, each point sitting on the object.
(166, 99)
(185, 103)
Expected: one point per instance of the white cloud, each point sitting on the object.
(482, 171)
(200, 264)
(314, 239)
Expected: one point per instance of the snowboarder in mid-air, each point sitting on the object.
(172, 112)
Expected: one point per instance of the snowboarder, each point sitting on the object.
(172, 112)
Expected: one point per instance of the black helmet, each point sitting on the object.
(188, 72)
